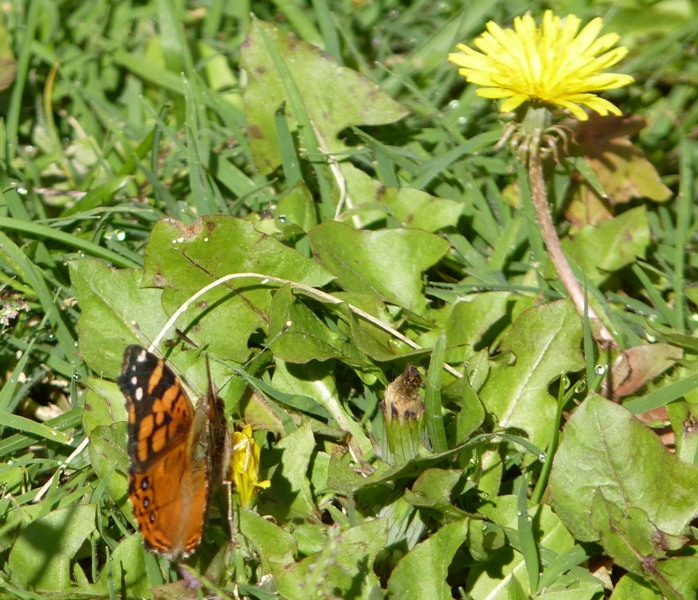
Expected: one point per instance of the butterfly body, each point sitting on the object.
(172, 446)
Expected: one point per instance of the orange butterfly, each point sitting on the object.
(177, 453)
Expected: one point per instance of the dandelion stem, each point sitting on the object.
(540, 203)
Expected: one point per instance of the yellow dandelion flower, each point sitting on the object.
(546, 65)
(245, 466)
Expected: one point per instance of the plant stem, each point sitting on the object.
(540, 203)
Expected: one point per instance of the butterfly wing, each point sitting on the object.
(168, 443)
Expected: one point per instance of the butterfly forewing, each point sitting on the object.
(159, 412)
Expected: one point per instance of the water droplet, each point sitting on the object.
(600, 369)
(542, 457)
(119, 235)
(462, 120)
(518, 513)
(51, 336)
(453, 104)
(76, 376)
(580, 387)
(205, 239)
(393, 14)
(485, 495)
(22, 191)
(282, 218)
(81, 254)
(650, 338)
(472, 462)
(29, 149)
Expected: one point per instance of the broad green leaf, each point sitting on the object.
(115, 312)
(315, 381)
(469, 321)
(388, 263)
(678, 577)
(471, 414)
(417, 209)
(104, 404)
(334, 96)
(632, 587)
(297, 207)
(552, 537)
(630, 538)
(684, 418)
(625, 460)
(267, 538)
(612, 245)
(546, 341)
(183, 259)
(289, 496)
(432, 491)
(42, 555)
(426, 567)
(127, 566)
(376, 342)
(307, 338)
(108, 450)
(344, 567)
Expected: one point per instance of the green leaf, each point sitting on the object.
(469, 321)
(344, 567)
(612, 245)
(115, 312)
(417, 209)
(426, 567)
(108, 450)
(632, 587)
(625, 460)
(334, 96)
(387, 263)
(267, 538)
(629, 537)
(183, 259)
(289, 496)
(41, 557)
(546, 341)
(127, 566)
(104, 404)
(307, 338)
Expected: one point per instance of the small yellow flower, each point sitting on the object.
(550, 64)
(245, 466)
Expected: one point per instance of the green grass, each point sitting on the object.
(328, 156)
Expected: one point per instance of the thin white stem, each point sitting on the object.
(310, 291)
